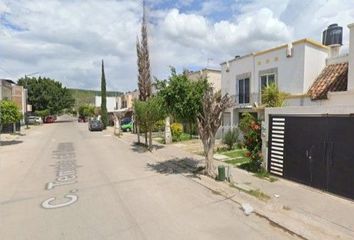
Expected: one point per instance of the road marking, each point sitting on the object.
(47, 204)
(66, 174)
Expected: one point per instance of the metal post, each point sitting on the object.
(26, 113)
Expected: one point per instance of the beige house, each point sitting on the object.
(128, 98)
(212, 75)
(10, 91)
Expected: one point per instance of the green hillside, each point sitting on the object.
(82, 96)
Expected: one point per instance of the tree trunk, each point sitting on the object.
(146, 137)
(138, 131)
(168, 136)
(190, 129)
(208, 145)
(150, 140)
(209, 157)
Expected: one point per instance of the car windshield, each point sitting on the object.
(125, 121)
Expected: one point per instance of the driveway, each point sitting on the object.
(64, 182)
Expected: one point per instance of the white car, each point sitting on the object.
(34, 120)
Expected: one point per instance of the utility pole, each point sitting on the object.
(26, 87)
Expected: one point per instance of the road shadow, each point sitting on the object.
(142, 148)
(63, 121)
(187, 166)
(8, 143)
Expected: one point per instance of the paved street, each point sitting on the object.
(61, 181)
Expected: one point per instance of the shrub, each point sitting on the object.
(230, 138)
(251, 129)
(177, 130)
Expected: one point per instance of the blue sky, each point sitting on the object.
(66, 40)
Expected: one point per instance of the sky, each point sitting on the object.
(67, 39)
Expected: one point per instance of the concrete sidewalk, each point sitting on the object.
(301, 210)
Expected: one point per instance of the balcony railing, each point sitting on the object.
(254, 97)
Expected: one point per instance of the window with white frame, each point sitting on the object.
(267, 79)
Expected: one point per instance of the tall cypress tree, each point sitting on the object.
(104, 115)
(144, 77)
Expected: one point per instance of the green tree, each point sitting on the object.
(9, 113)
(272, 97)
(149, 113)
(182, 97)
(42, 113)
(47, 94)
(86, 110)
(104, 114)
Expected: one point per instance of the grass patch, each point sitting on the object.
(183, 137)
(259, 194)
(237, 156)
(235, 153)
(255, 193)
(237, 161)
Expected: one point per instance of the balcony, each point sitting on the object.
(254, 97)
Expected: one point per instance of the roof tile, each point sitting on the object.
(333, 78)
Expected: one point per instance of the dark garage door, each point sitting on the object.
(317, 151)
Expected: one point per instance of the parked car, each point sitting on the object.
(126, 124)
(34, 120)
(49, 119)
(95, 125)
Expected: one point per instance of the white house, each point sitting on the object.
(112, 103)
(311, 139)
(293, 67)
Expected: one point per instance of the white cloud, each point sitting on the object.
(67, 39)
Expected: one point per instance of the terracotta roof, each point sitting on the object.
(333, 78)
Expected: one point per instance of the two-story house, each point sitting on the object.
(293, 67)
(213, 77)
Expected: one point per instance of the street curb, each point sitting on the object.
(303, 227)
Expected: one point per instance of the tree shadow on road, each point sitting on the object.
(7, 143)
(187, 166)
(141, 147)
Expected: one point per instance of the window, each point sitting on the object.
(244, 90)
(267, 80)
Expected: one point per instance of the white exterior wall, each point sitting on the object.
(111, 103)
(351, 58)
(290, 69)
(236, 67)
(315, 62)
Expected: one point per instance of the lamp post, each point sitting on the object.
(26, 87)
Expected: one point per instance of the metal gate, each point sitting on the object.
(314, 150)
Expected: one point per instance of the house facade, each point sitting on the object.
(6, 89)
(292, 67)
(212, 75)
(310, 141)
(112, 103)
(128, 98)
(11, 91)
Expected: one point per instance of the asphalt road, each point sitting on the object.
(61, 181)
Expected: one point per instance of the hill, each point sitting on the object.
(82, 96)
